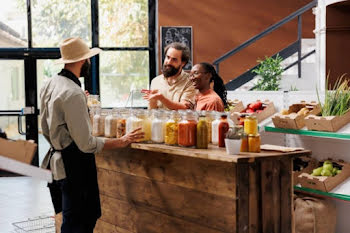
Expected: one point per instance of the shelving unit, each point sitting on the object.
(323, 194)
(343, 133)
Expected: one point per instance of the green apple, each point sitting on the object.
(334, 171)
(327, 162)
(338, 172)
(326, 172)
(327, 166)
(317, 171)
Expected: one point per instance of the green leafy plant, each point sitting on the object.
(293, 88)
(270, 71)
(337, 101)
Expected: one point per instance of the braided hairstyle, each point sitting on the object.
(219, 86)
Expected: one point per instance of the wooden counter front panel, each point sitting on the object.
(144, 191)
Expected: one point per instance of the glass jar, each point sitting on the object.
(122, 116)
(215, 128)
(93, 101)
(97, 127)
(129, 121)
(244, 143)
(110, 125)
(250, 125)
(202, 133)
(223, 128)
(171, 129)
(187, 130)
(158, 127)
(144, 115)
(92, 111)
(254, 142)
(209, 117)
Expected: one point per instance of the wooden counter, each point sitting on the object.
(160, 188)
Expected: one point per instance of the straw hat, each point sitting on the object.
(74, 49)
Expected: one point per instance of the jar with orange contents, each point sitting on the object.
(244, 143)
(187, 130)
(254, 142)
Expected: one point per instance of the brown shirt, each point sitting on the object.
(180, 91)
(209, 101)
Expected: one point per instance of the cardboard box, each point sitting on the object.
(19, 150)
(328, 123)
(238, 106)
(268, 111)
(309, 165)
(293, 120)
(324, 183)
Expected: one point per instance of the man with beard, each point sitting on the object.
(66, 126)
(173, 89)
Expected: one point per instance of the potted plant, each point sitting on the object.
(233, 140)
(270, 71)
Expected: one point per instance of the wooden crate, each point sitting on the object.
(238, 106)
(293, 120)
(267, 112)
(328, 123)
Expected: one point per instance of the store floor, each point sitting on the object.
(23, 199)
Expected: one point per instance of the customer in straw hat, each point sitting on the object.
(66, 126)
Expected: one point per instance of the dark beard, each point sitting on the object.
(85, 70)
(169, 70)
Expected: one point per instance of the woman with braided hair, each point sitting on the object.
(202, 75)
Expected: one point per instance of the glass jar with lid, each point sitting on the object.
(254, 142)
(121, 122)
(171, 128)
(97, 126)
(158, 127)
(250, 125)
(202, 133)
(209, 116)
(110, 125)
(144, 115)
(187, 135)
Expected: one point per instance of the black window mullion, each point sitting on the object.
(152, 39)
(31, 100)
(93, 85)
(29, 19)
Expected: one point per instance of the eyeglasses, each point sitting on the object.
(196, 74)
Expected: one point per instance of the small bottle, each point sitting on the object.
(187, 130)
(223, 128)
(202, 133)
(171, 129)
(215, 129)
(158, 127)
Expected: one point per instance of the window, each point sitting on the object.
(13, 24)
(120, 73)
(56, 20)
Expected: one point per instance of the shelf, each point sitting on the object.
(342, 134)
(324, 194)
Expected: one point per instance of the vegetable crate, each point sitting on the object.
(328, 123)
(302, 164)
(235, 105)
(294, 118)
(261, 109)
(324, 183)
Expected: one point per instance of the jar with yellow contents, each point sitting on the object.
(171, 129)
(254, 142)
(250, 125)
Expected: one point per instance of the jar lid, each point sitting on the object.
(251, 117)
